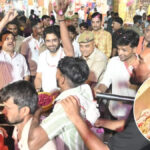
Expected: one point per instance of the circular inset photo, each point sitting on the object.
(142, 109)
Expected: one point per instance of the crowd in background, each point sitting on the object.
(79, 56)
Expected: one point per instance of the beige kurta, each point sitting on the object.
(97, 62)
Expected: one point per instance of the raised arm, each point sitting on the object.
(71, 108)
(60, 9)
(7, 18)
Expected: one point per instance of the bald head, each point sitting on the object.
(142, 71)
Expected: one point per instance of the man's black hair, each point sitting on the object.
(76, 13)
(23, 94)
(45, 17)
(32, 12)
(75, 69)
(84, 24)
(22, 19)
(35, 22)
(55, 29)
(5, 32)
(112, 13)
(14, 22)
(119, 20)
(148, 45)
(116, 36)
(72, 29)
(116, 14)
(137, 19)
(97, 14)
(129, 37)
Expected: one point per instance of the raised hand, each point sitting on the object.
(61, 6)
(71, 107)
(11, 14)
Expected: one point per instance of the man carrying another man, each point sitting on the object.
(124, 140)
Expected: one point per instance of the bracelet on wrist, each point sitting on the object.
(61, 20)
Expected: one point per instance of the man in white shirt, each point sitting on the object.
(30, 47)
(48, 60)
(47, 66)
(140, 11)
(13, 65)
(81, 14)
(118, 72)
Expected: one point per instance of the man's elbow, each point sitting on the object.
(69, 51)
(31, 145)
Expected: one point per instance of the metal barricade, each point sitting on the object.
(114, 97)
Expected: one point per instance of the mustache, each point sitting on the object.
(10, 43)
(54, 50)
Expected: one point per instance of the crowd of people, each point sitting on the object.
(79, 58)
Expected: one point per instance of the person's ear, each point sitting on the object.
(62, 79)
(34, 29)
(25, 111)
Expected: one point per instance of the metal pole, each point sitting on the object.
(114, 97)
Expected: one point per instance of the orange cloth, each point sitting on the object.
(30, 2)
(40, 3)
(140, 45)
(2, 145)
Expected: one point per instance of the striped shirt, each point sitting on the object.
(58, 126)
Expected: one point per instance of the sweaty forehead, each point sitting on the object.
(12, 26)
(51, 36)
(6, 36)
(96, 18)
